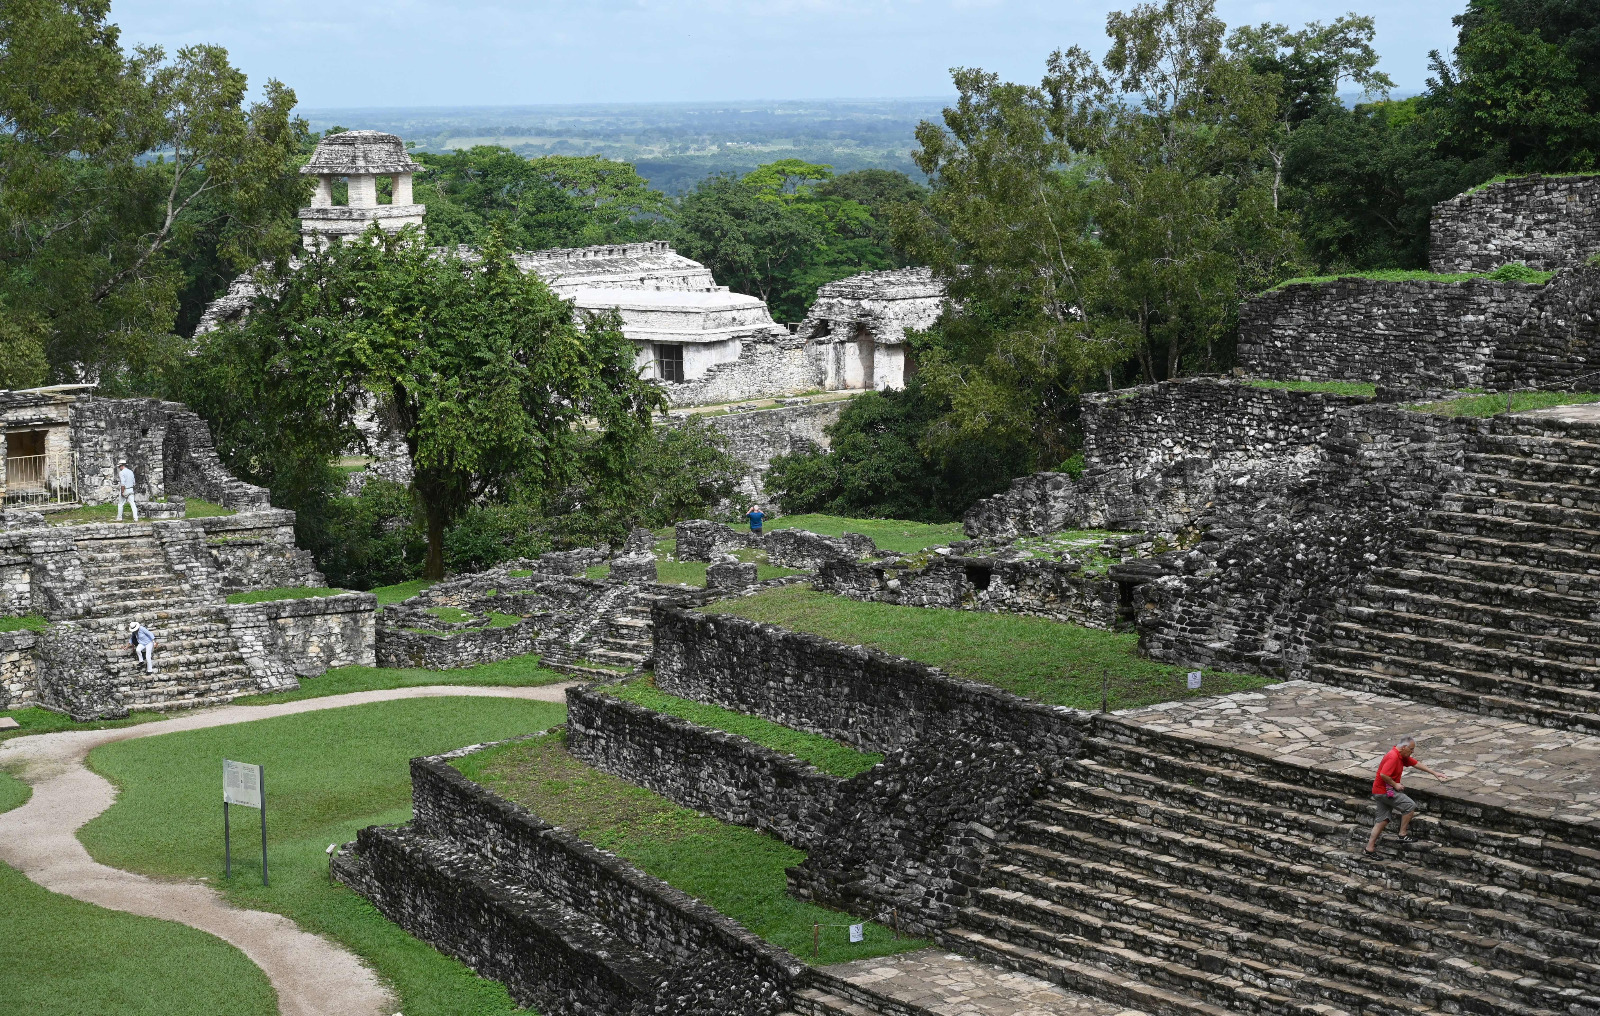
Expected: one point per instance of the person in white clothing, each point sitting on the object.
(125, 489)
(144, 646)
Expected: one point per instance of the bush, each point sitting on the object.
(372, 539)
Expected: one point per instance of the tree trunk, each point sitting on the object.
(434, 569)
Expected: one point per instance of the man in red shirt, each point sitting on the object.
(1388, 795)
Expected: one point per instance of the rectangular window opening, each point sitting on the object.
(669, 362)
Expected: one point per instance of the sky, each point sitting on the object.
(361, 53)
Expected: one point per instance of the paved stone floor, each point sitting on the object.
(1502, 762)
(952, 985)
(1587, 412)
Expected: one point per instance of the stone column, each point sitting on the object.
(363, 190)
(322, 197)
(402, 189)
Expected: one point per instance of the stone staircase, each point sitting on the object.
(613, 637)
(1493, 603)
(1170, 877)
(197, 661)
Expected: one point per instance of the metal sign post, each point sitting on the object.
(243, 784)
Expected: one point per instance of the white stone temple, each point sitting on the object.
(358, 158)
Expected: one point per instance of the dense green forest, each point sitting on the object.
(1096, 228)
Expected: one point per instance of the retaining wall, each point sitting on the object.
(256, 550)
(19, 681)
(305, 637)
(1416, 334)
(1558, 344)
(1546, 222)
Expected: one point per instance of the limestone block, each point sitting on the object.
(728, 572)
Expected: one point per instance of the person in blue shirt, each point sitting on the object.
(755, 516)
(144, 646)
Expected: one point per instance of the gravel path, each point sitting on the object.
(313, 976)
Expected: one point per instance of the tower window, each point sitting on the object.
(669, 362)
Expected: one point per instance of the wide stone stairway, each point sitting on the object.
(129, 577)
(1172, 877)
(1494, 603)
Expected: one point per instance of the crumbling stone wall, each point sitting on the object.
(19, 681)
(757, 436)
(702, 540)
(1546, 222)
(1416, 334)
(168, 447)
(307, 637)
(771, 364)
(1558, 344)
(1158, 454)
(256, 550)
(860, 696)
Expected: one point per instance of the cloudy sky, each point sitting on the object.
(481, 52)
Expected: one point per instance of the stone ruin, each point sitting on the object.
(90, 581)
(1414, 573)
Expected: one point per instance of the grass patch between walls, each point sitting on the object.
(1360, 389)
(284, 593)
(897, 535)
(519, 671)
(1495, 404)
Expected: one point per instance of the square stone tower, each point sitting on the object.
(360, 157)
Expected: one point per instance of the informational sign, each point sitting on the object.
(241, 783)
(1194, 680)
(858, 933)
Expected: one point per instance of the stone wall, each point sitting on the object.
(1558, 344)
(1415, 334)
(566, 926)
(1546, 222)
(756, 436)
(702, 539)
(769, 365)
(399, 646)
(1158, 454)
(19, 681)
(168, 447)
(256, 550)
(307, 637)
(859, 696)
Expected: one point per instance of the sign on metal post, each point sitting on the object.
(245, 785)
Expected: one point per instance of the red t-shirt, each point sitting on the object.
(1393, 765)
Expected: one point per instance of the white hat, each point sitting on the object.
(134, 626)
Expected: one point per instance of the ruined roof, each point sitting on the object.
(896, 284)
(687, 316)
(650, 265)
(360, 153)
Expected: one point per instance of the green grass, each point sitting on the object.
(13, 794)
(1492, 405)
(889, 534)
(449, 615)
(23, 622)
(823, 752)
(517, 672)
(34, 720)
(1505, 273)
(1503, 177)
(195, 508)
(737, 871)
(1046, 660)
(1356, 388)
(63, 957)
(284, 593)
(499, 620)
(328, 774)
(400, 591)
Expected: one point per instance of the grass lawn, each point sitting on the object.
(24, 622)
(400, 591)
(34, 720)
(328, 774)
(1358, 388)
(63, 957)
(519, 671)
(13, 794)
(193, 508)
(1493, 405)
(735, 870)
(823, 752)
(284, 593)
(889, 534)
(693, 573)
(1053, 662)
(1505, 273)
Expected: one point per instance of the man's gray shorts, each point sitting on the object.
(1400, 804)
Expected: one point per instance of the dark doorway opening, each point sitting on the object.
(979, 575)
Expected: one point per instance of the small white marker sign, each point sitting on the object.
(858, 933)
(241, 783)
(1194, 680)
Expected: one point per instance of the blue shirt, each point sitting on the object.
(142, 637)
(755, 521)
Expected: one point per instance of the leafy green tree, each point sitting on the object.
(483, 369)
(111, 164)
(751, 241)
(22, 360)
(619, 205)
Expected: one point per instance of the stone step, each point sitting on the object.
(1134, 922)
(1582, 436)
(1524, 511)
(1563, 583)
(1489, 594)
(1515, 530)
(1522, 662)
(1307, 913)
(1088, 979)
(817, 1002)
(1420, 670)
(1503, 619)
(1483, 548)
(1261, 855)
(1470, 695)
(1444, 629)
(1565, 495)
(1539, 470)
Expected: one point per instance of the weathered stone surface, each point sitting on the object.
(1546, 222)
(855, 330)
(19, 680)
(727, 572)
(305, 637)
(1558, 343)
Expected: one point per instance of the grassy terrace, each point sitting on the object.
(193, 508)
(329, 774)
(1360, 389)
(889, 534)
(823, 752)
(1494, 404)
(23, 622)
(688, 573)
(1052, 662)
(1515, 272)
(284, 593)
(737, 871)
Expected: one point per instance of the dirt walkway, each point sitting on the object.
(313, 976)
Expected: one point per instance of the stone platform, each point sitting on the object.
(935, 981)
(1491, 760)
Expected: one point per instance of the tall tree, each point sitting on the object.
(109, 163)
